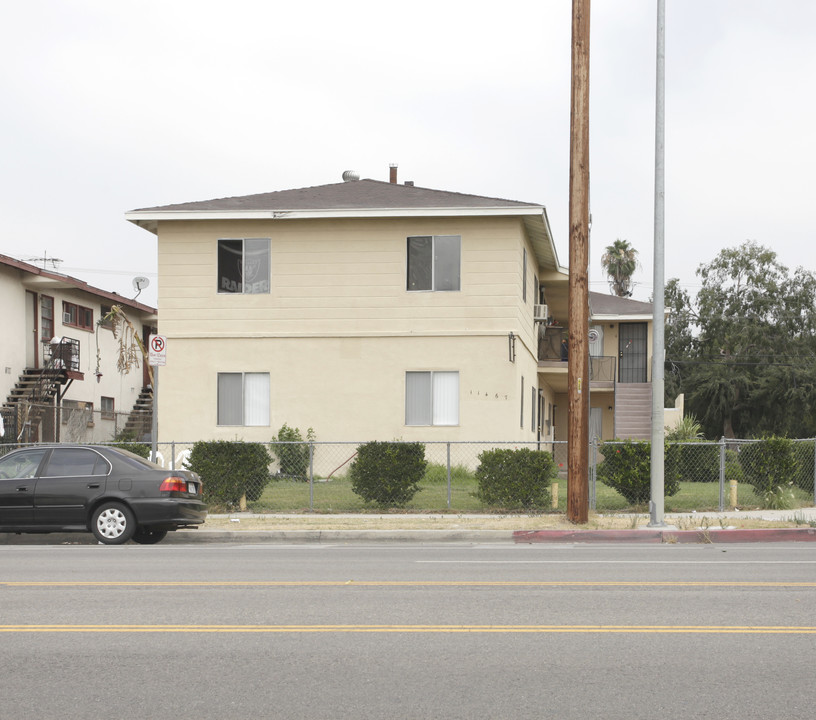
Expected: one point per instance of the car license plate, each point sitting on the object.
(191, 488)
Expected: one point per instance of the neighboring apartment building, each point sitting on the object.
(363, 309)
(59, 379)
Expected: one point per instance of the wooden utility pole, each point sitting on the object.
(578, 363)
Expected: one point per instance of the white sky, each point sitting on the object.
(112, 106)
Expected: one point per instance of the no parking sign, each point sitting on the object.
(157, 350)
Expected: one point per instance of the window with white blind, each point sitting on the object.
(432, 398)
(243, 399)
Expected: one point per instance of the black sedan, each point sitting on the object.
(110, 492)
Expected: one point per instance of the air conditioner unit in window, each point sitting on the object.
(541, 313)
(66, 318)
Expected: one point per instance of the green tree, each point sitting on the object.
(620, 261)
(744, 349)
(679, 337)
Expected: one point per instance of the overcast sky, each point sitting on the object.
(113, 106)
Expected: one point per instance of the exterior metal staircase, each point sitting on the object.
(37, 388)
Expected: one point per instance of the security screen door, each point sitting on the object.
(632, 353)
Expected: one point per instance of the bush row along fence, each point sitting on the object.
(315, 476)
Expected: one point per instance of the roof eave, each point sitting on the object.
(149, 219)
(616, 317)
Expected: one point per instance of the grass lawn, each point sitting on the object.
(336, 496)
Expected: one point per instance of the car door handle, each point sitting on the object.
(22, 488)
(93, 486)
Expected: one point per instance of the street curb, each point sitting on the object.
(736, 535)
(339, 536)
(253, 537)
(667, 536)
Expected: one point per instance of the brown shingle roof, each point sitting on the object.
(360, 194)
(602, 304)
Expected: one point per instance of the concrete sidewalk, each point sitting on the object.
(679, 528)
(778, 526)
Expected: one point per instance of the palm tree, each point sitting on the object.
(620, 262)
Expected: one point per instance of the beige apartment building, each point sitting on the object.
(369, 310)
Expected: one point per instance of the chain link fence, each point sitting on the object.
(314, 476)
(709, 476)
(73, 422)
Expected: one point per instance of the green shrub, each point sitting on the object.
(687, 429)
(140, 449)
(515, 479)
(126, 440)
(699, 461)
(780, 498)
(627, 468)
(388, 473)
(230, 470)
(733, 469)
(292, 452)
(770, 466)
(805, 455)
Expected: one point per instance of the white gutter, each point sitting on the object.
(161, 215)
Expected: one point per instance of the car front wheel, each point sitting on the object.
(113, 523)
(146, 536)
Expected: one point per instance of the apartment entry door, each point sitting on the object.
(632, 353)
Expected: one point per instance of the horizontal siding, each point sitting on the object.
(343, 277)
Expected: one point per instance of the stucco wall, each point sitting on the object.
(345, 388)
(12, 348)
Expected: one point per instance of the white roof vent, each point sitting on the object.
(351, 176)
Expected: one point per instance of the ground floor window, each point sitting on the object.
(432, 398)
(243, 399)
(108, 408)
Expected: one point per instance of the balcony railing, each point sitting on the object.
(602, 369)
(62, 354)
(549, 345)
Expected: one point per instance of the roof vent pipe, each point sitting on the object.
(393, 174)
(351, 176)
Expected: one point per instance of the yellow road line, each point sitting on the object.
(403, 583)
(655, 629)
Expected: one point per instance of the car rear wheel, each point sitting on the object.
(113, 523)
(147, 536)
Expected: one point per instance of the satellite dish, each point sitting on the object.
(140, 283)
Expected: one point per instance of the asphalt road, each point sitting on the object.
(408, 631)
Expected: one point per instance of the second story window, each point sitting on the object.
(434, 262)
(243, 266)
(77, 316)
(104, 320)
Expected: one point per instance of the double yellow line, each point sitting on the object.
(440, 629)
(405, 583)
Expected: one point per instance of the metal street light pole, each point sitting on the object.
(658, 343)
